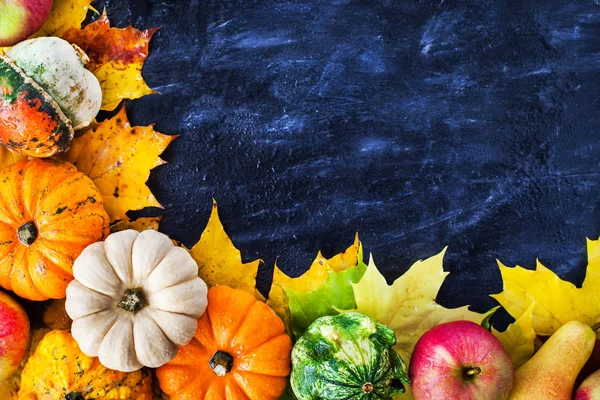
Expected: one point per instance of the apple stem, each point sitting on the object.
(471, 372)
(596, 327)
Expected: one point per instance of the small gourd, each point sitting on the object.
(347, 356)
(58, 370)
(46, 93)
(136, 297)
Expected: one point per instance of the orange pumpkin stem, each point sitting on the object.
(221, 363)
(27, 233)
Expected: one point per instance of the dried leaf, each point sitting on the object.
(8, 157)
(219, 262)
(408, 306)
(519, 338)
(310, 280)
(140, 224)
(116, 58)
(118, 158)
(555, 301)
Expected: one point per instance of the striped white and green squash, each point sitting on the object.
(347, 356)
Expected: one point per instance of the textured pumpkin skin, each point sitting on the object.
(58, 68)
(65, 207)
(58, 367)
(31, 122)
(347, 356)
(248, 330)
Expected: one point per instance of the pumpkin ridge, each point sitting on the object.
(41, 283)
(239, 380)
(237, 328)
(243, 354)
(240, 385)
(47, 260)
(58, 191)
(20, 261)
(262, 308)
(16, 184)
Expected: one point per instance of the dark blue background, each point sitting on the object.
(418, 124)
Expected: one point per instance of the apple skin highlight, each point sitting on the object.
(460, 360)
(14, 335)
(19, 19)
(589, 388)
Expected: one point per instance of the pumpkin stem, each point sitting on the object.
(85, 60)
(133, 300)
(367, 387)
(221, 363)
(74, 396)
(27, 233)
(471, 372)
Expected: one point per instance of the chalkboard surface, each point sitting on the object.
(419, 124)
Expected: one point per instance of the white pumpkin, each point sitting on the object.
(136, 297)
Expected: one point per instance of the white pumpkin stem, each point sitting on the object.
(85, 60)
(133, 300)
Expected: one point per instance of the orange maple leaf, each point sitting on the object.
(116, 58)
(118, 157)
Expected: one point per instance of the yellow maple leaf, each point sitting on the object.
(118, 157)
(219, 262)
(8, 157)
(519, 338)
(408, 306)
(311, 280)
(116, 58)
(555, 301)
(65, 15)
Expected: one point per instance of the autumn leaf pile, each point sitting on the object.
(118, 158)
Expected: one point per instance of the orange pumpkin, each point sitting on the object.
(49, 213)
(240, 352)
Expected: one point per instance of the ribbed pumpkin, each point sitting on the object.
(49, 212)
(58, 370)
(240, 351)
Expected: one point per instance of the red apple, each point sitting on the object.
(589, 388)
(460, 360)
(21, 18)
(14, 335)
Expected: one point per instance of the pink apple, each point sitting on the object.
(21, 18)
(460, 361)
(589, 388)
(14, 335)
